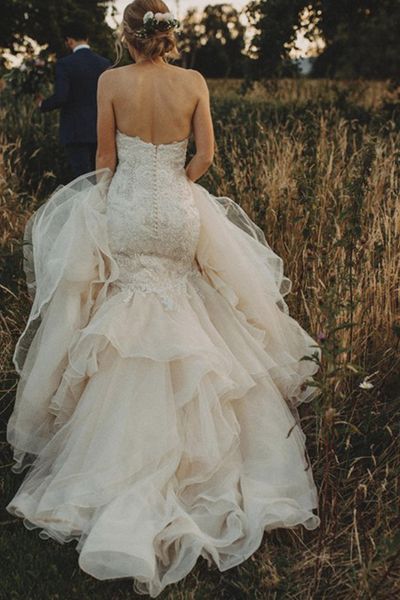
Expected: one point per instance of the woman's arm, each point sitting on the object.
(106, 155)
(203, 132)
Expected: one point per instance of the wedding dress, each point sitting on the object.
(160, 375)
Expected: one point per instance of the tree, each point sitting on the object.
(190, 35)
(43, 20)
(360, 37)
(213, 41)
(275, 23)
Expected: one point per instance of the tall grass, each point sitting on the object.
(368, 94)
(316, 165)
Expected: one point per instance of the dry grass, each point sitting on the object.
(368, 94)
(323, 181)
(354, 201)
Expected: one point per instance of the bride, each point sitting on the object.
(160, 371)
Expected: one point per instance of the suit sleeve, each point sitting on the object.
(61, 90)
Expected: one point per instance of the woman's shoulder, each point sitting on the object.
(195, 75)
(194, 79)
(114, 76)
(191, 78)
(197, 81)
(115, 71)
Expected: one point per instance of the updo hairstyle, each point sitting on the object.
(159, 43)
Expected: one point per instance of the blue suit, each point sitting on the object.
(75, 94)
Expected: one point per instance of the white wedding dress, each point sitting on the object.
(160, 375)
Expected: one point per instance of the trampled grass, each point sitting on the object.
(316, 165)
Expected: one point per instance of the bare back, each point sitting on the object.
(155, 103)
(159, 103)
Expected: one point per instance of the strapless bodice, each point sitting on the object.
(152, 219)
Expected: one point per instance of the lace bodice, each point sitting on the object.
(132, 149)
(153, 221)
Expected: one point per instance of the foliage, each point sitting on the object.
(31, 77)
(212, 41)
(274, 21)
(360, 37)
(43, 21)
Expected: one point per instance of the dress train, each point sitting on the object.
(159, 422)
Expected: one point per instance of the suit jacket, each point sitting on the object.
(75, 94)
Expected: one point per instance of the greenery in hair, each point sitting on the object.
(156, 22)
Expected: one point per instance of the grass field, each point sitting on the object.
(317, 165)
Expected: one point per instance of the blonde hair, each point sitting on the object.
(159, 43)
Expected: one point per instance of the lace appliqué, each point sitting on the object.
(150, 207)
(153, 221)
(162, 276)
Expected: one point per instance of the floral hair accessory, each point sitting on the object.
(156, 22)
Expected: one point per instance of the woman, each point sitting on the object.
(160, 371)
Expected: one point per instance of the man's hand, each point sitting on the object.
(39, 99)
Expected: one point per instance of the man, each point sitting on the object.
(75, 95)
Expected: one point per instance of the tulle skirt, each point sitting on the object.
(156, 436)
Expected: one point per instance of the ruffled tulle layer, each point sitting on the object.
(154, 436)
(172, 438)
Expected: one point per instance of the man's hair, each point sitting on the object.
(75, 30)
